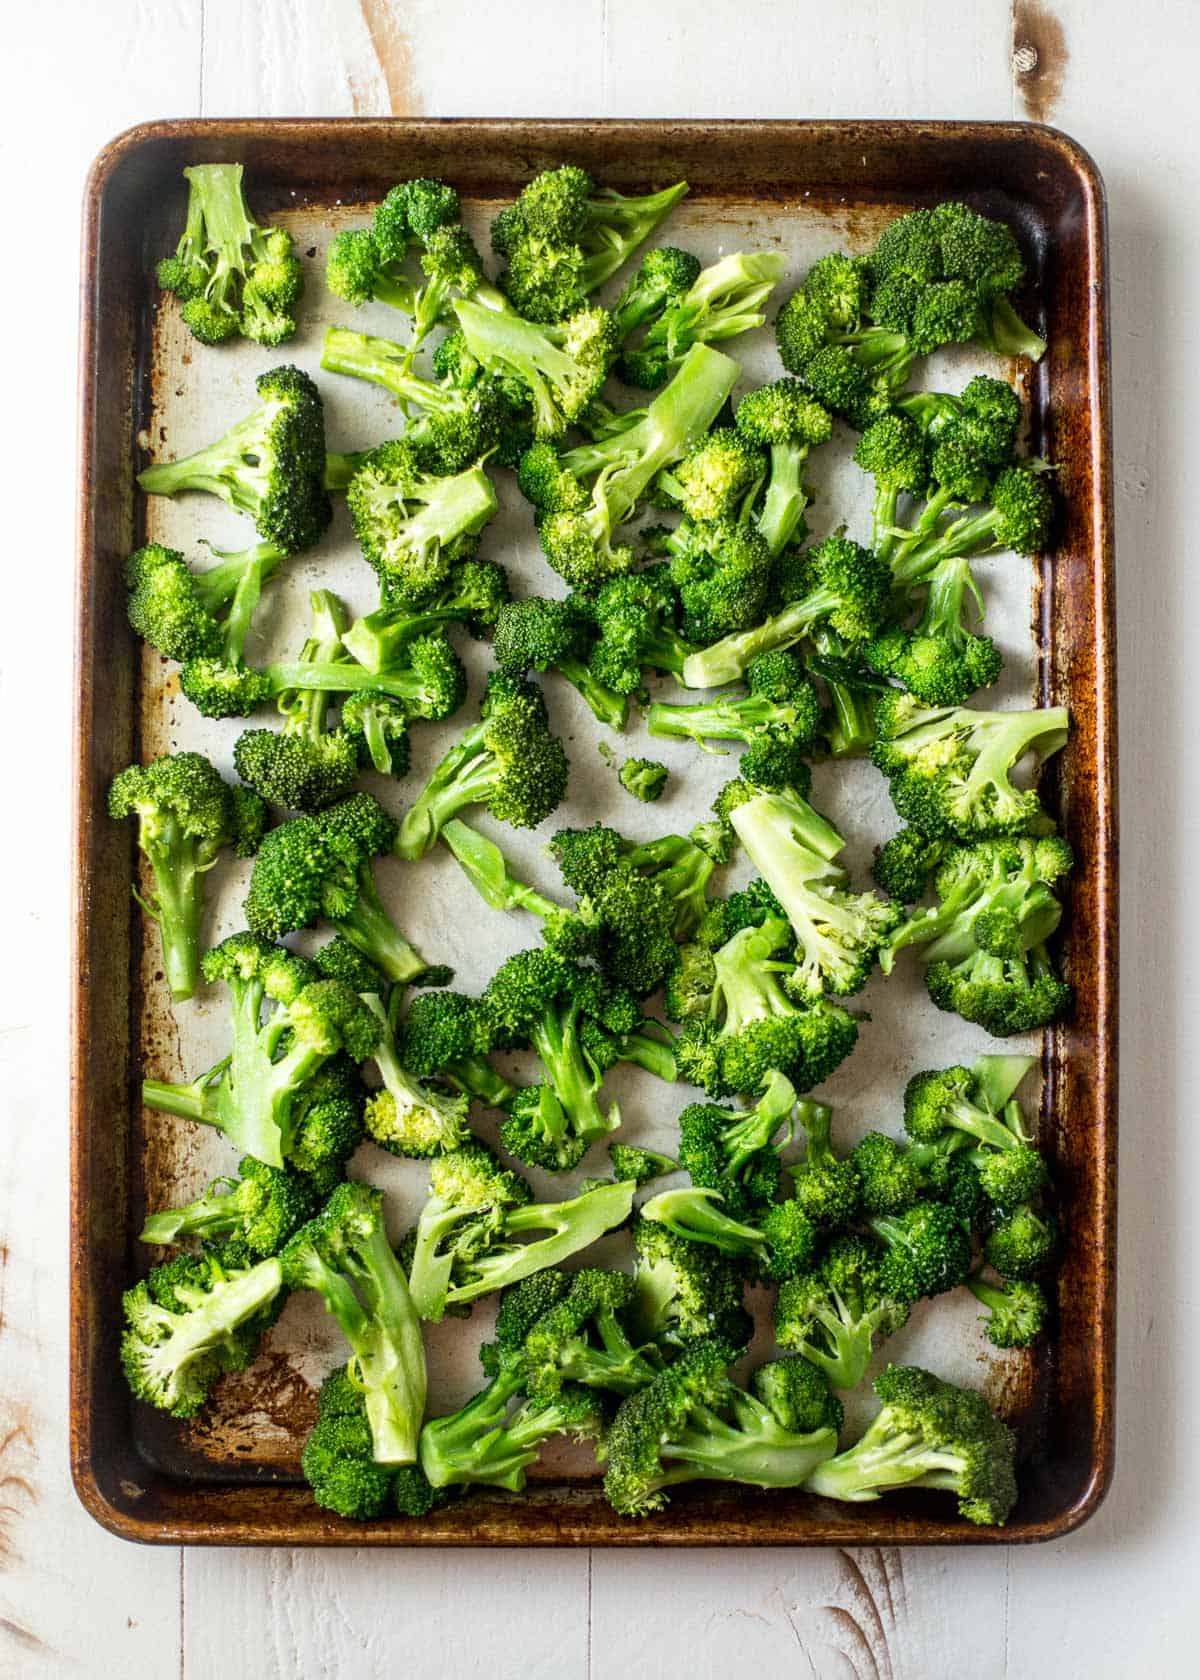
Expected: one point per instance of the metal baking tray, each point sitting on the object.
(231, 1477)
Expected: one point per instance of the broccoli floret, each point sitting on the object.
(834, 1313)
(356, 272)
(684, 1290)
(904, 864)
(186, 814)
(564, 237)
(561, 367)
(1022, 1243)
(231, 274)
(574, 1021)
(838, 933)
(583, 1338)
(722, 302)
(509, 762)
(784, 419)
(473, 595)
(893, 450)
(262, 1206)
(718, 478)
(465, 1243)
(446, 1036)
(193, 1319)
(839, 586)
(304, 766)
(258, 1095)
(1017, 1311)
(662, 279)
(927, 1434)
(635, 618)
(724, 1149)
(344, 1255)
(953, 1101)
(798, 1395)
(783, 1241)
(644, 778)
(271, 465)
(630, 1160)
(407, 1117)
(490, 1442)
(948, 768)
(984, 945)
(538, 634)
(827, 1186)
(585, 495)
(722, 570)
(889, 1179)
(1017, 516)
(338, 1458)
(425, 678)
(377, 725)
(752, 1025)
(320, 867)
(692, 1423)
(778, 720)
(337, 959)
(413, 525)
(928, 1251)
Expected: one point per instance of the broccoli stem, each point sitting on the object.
(390, 1358)
(465, 776)
(884, 1459)
(341, 468)
(486, 867)
(194, 1101)
(1010, 336)
(220, 584)
(378, 640)
(652, 1055)
(758, 1129)
(380, 361)
(606, 705)
(725, 661)
(713, 720)
(500, 335)
(209, 1215)
(555, 1040)
(472, 1445)
(617, 225)
(371, 930)
(479, 1079)
(572, 1225)
(755, 1449)
(178, 865)
(786, 499)
(233, 468)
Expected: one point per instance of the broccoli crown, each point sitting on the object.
(1022, 1243)
(892, 449)
(928, 1252)
(723, 301)
(904, 864)
(783, 413)
(583, 1338)
(890, 1181)
(693, 1423)
(193, 1319)
(270, 465)
(928, 1434)
(833, 1312)
(310, 867)
(338, 1458)
(631, 912)
(509, 762)
(440, 1029)
(848, 583)
(534, 634)
(827, 1187)
(635, 616)
(718, 476)
(735, 1151)
(798, 1395)
(1017, 1311)
(685, 1290)
(722, 570)
(561, 367)
(167, 605)
(630, 1160)
(262, 1207)
(232, 275)
(413, 525)
(338, 959)
(948, 767)
(940, 660)
(952, 1102)
(644, 778)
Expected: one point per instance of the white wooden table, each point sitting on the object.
(1118, 1598)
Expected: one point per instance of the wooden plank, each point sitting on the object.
(72, 1599)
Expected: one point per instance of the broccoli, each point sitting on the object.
(904, 864)
(1017, 1312)
(537, 634)
(890, 1179)
(270, 465)
(345, 1257)
(984, 946)
(1022, 1242)
(798, 1395)
(838, 933)
(490, 1443)
(446, 1036)
(778, 720)
(948, 767)
(194, 1318)
(635, 618)
(693, 1423)
(784, 419)
(575, 1022)
(425, 679)
(783, 1242)
(722, 570)
(488, 870)
(406, 1117)
(722, 302)
(413, 525)
(893, 449)
(561, 367)
(464, 1242)
(644, 778)
(838, 585)
(186, 815)
(583, 496)
(1017, 516)
(751, 1024)
(356, 272)
(684, 1290)
(951, 1106)
(458, 422)
(564, 237)
(719, 477)
(337, 959)
(827, 1186)
(473, 594)
(262, 1206)
(927, 1434)
(231, 274)
(735, 1151)
(834, 1313)
(630, 1160)
(509, 762)
(202, 620)
(928, 1251)
(314, 868)
(338, 1460)
(376, 723)
(304, 766)
(274, 1059)
(583, 1338)
(662, 279)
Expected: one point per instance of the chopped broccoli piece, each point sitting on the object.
(786, 420)
(538, 634)
(735, 1151)
(783, 1242)
(631, 1160)
(722, 302)
(1017, 1311)
(262, 1207)
(407, 1117)
(338, 1460)
(662, 279)
(413, 525)
(644, 778)
(834, 1313)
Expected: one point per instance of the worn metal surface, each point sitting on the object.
(812, 180)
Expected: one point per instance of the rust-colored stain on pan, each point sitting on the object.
(1037, 178)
